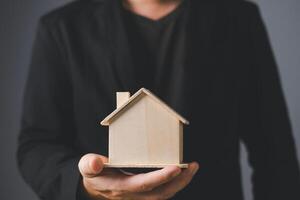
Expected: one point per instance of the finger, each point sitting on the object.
(91, 165)
(148, 181)
(170, 189)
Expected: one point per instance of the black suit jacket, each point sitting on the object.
(229, 90)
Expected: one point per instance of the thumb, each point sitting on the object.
(90, 165)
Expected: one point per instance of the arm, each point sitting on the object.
(268, 137)
(46, 156)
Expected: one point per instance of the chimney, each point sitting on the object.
(122, 97)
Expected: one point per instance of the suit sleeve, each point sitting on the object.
(47, 157)
(267, 131)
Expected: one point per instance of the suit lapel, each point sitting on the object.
(200, 32)
(200, 62)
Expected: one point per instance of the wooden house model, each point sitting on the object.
(144, 132)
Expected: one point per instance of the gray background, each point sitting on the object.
(17, 29)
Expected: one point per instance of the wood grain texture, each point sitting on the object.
(162, 129)
(122, 98)
(144, 132)
(142, 92)
(127, 137)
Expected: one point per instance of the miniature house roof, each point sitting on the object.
(135, 98)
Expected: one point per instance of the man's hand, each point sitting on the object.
(114, 184)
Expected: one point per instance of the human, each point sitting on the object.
(210, 60)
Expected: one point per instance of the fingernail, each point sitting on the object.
(178, 171)
(96, 165)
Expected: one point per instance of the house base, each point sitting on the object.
(108, 165)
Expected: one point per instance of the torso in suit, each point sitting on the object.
(228, 87)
